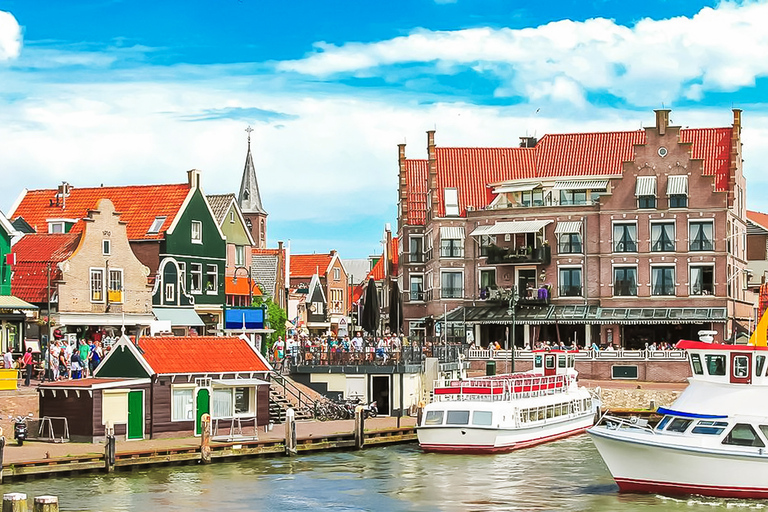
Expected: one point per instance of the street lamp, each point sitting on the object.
(511, 307)
(250, 283)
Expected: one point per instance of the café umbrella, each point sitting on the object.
(395, 309)
(370, 319)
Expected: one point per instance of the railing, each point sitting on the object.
(414, 353)
(504, 387)
(624, 354)
(499, 255)
(289, 389)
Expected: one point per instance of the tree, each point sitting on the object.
(275, 318)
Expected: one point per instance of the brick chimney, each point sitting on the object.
(431, 172)
(662, 120)
(193, 178)
(735, 156)
(402, 189)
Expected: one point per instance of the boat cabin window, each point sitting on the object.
(709, 427)
(571, 362)
(538, 361)
(759, 365)
(482, 417)
(696, 364)
(741, 367)
(715, 364)
(550, 362)
(742, 434)
(561, 361)
(679, 425)
(663, 422)
(434, 418)
(764, 430)
(457, 418)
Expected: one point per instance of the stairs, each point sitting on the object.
(279, 403)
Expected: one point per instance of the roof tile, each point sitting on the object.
(307, 265)
(200, 354)
(33, 253)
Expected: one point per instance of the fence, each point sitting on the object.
(624, 355)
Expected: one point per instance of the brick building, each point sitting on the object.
(621, 238)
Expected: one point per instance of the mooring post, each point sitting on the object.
(46, 504)
(15, 502)
(205, 439)
(2, 450)
(290, 432)
(359, 427)
(109, 450)
(420, 412)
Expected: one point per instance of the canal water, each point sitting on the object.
(566, 475)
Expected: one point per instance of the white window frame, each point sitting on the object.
(674, 233)
(182, 275)
(674, 281)
(196, 269)
(336, 274)
(106, 247)
(174, 411)
(451, 197)
(690, 279)
(157, 224)
(451, 271)
(93, 272)
(410, 287)
(690, 237)
(56, 227)
(169, 292)
(614, 241)
(231, 216)
(560, 284)
(239, 255)
(120, 282)
(196, 232)
(212, 270)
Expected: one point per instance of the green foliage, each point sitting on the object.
(275, 319)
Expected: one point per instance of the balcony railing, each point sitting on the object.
(415, 257)
(500, 256)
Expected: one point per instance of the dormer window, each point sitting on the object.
(156, 224)
(451, 196)
(197, 232)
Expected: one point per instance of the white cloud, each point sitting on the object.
(718, 49)
(10, 36)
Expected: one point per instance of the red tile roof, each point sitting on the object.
(200, 354)
(307, 265)
(759, 218)
(138, 206)
(471, 170)
(33, 253)
(268, 252)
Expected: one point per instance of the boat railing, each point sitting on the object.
(502, 387)
(622, 354)
(633, 422)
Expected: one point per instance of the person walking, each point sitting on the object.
(29, 366)
(8, 359)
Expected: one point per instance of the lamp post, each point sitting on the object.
(511, 307)
(250, 283)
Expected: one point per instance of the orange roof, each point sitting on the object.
(240, 287)
(200, 354)
(33, 253)
(307, 265)
(393, 250)
(585, 154)
(416, 172)
(269, 252)
(138, 206)
(761, 219)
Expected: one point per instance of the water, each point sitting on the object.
(565, 475)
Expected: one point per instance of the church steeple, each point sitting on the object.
(249, 200)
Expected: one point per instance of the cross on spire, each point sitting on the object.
(249, 130)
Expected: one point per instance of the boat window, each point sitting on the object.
(550, 411)
(679, 425)
(538, 362)
(434, 418)
(663, 422)
(561, 361)
(696, 364)
(550, 362)
(571, 361)
(715, 364)
(482, 417)
(759, 364)
(740, 367)
(764, 430)
(742, 434)
(709, 427)
(457, 418)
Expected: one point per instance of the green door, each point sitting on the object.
(136, 415)
(202, 406)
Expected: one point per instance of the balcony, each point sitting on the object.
(530, 297)
(541, 255)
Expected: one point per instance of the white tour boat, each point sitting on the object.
(713, 440)
(507, 412)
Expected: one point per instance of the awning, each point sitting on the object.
(11, 302)
(677, 186)
(231, 383)
(519, 187)
(451, 233)
(512, 227)
(179, 317)
(113, 319)
(568, 227)
(645, 186)
(581, 185)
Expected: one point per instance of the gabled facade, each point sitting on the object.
(332, 278)
(617, 238)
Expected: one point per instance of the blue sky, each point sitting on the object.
(128, 92)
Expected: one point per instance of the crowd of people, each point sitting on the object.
(65, 361)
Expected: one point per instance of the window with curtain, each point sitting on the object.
(570, 282)
(222, 403)
(702, 280)
(625, 281)
(662, 280)
(569, 243)
(625, 237)
(663, 237)
(452, 285)
(182, 408)
(451, 248)
(416, 249)
(196, 277)
(700, 236)
(417, 288)
(239, 255)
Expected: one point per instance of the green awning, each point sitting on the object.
(11, 302)
(179, 317)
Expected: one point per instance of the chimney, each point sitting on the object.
(662, 120)
(734, 157)
(528, 142)
(737, 121)
(431, 172)
(193, 178)
(402, 189)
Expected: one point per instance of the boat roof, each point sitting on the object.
(702, 345)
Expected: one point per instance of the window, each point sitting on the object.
(573, 197)
(452, 285)
(677, 190)
(242, 400)
(182, 406)
(625, 281)
(451, 248)
(532, 197)
(451, 202)
(569, 243)
(486, 241)
(106, 247)
(417, 288)
(741, 367)
(196, 277)
(415, 249)
(570, 282)
(115, 285)
(663, 422)
(169, 292)
(222, 403)
(715, 364)
(97, 285)
(231, 216)
(212, 278)
(183, 274)
(678, 201)
(645, 202)
(156, 225)
(702, 280)
(482, 418)
(663, 237)
(742, 434)
(625, 237)
(709, 427)
(433, 418)
(645, 190)
(239, 255)
(197, 232)
(679, 425)
(662, 280)
(700, 235)
(55, 227)
(696, 364)
(336, 274)
(759, 365)
(457, 418)
(487, 278)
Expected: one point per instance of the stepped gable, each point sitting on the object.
(33, 253)
(200, 354)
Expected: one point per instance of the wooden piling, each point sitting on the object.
(290, 432)
(2, 453)
(359, 427)
(15, 502)
(205, 439)
(46, 504)
(110, 450)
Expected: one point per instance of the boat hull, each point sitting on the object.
(652, 466)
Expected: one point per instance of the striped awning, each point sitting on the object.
(646, 186)
(512, 227)
(581, 185)
(451, 233)
(568, 227)
(517, 187)
(677, 185)
(15, 303)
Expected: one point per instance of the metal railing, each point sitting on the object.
(623, 354)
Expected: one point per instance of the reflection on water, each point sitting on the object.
(564, 475)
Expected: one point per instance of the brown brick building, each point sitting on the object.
(620, 238)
